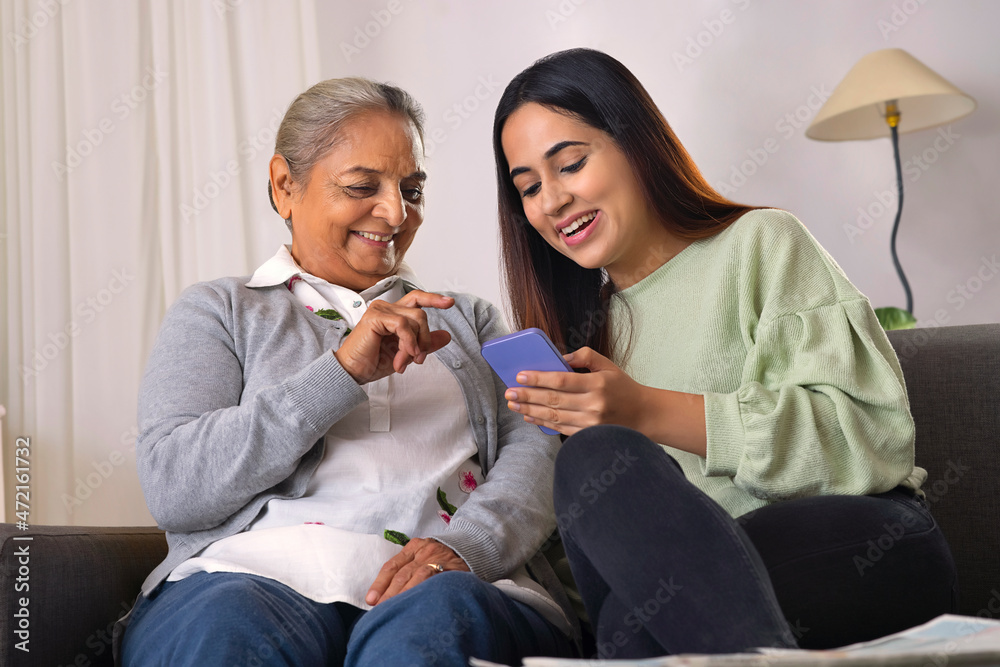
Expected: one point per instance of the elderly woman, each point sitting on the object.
(322, 441)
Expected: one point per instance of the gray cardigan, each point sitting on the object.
(241, 387)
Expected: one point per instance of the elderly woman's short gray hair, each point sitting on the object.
(312, 123)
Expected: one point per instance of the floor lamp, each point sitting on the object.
(886, 93)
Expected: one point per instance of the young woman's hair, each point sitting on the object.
(545, 288)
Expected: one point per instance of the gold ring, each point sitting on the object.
(434, 566)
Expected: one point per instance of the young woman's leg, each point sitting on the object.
(853, 568)
(661, 567)
(226, 618)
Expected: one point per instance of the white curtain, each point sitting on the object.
(135, 140)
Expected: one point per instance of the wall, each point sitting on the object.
(738, 80)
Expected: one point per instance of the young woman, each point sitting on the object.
(739, 470)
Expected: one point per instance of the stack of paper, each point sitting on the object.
(946, 640)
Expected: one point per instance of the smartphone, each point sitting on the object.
(526, 350)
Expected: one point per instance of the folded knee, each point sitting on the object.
(439, 602)
(596, 458)
(596, 446)
(450, 586)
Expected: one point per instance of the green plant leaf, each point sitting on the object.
(396, 537)
(895, 318)
(329, 314)
(445, 505)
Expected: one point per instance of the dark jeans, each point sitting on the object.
(664, 570)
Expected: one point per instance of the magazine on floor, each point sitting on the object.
(947, 640)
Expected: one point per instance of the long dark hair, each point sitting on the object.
(545, 288)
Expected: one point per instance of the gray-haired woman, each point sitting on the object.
(322, 507)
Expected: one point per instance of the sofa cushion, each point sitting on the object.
(77, 582)
(953, 381)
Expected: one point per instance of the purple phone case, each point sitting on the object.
(526, 350)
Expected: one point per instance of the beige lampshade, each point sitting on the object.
(856, 109)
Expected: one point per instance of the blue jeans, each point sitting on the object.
(228, 619)
(664, 570)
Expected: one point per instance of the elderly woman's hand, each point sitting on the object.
(419, 560)
(391, 336)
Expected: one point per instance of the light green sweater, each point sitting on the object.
(803, 392)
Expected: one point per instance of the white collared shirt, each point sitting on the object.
(282, 269)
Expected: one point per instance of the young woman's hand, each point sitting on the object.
(391, 336)
(570, 402)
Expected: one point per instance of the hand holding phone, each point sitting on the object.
(526, 350)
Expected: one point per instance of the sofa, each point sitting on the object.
(80, 580)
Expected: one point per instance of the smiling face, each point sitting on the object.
(579, 192)
(356, 216)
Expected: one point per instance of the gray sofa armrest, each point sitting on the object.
(76, 582)
(953, 381)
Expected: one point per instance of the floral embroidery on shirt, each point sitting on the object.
(467, 481)
(396, 537)
(325, 313)
(329, 314)
(442, 499)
